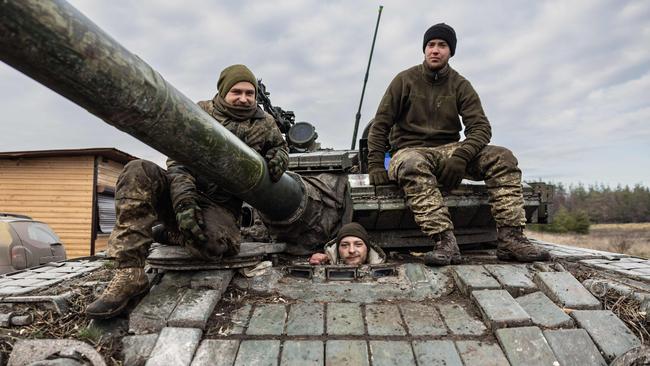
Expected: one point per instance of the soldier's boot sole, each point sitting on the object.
(131, 301)
(455, 258)
(508, 255)
(445, 250)
(434, 258)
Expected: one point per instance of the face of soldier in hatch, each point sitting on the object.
(352, 250)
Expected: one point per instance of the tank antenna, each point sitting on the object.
(365, 81)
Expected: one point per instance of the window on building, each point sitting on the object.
(106, 206)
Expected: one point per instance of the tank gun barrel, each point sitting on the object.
(56, 45)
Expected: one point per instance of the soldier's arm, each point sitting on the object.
(274, 138)
(277, 155)
(387, 112)
(182, 187)
(189, 217)
(477, 127)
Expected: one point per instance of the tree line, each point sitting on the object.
(604, 204)
(576, 207)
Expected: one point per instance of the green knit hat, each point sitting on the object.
(233, 74)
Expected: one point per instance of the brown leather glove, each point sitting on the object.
(452, 171)
(378, 175)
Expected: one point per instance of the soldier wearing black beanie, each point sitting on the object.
(441, 31)
(420, 118)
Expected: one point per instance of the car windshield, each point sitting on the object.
(5, 234)
(36, 231)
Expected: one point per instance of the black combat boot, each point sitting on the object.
(127, 284)
(445, 250)
(512, 244)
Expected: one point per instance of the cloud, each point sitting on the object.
(564, 84)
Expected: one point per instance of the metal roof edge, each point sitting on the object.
(108, 152)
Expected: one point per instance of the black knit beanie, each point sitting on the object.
(441, 31)
(352, 229)
(233, 74)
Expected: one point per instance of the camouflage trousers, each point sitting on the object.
(142, 200)
(415, 171)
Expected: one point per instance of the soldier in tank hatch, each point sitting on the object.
(197, 213)
(418, 119)
(352, 246)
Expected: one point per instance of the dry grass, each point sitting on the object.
(72, 325)
(629, 311)
(633, 239)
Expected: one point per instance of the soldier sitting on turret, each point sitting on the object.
(352, 247)
(418, 117)
(196, 212)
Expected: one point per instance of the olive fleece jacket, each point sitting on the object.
(421, 108)
(259, 132)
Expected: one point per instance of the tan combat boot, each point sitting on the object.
(127, 283)
(445, 250)
(512, 244)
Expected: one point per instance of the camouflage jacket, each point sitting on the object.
(422, 109)
(259, 132)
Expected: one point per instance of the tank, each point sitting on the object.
(268, 305)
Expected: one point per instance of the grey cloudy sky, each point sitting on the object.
(564, 84)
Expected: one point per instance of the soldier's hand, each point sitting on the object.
(318, 258)
(378, 175)
(190, 222)
(277, 162)
(452, 171)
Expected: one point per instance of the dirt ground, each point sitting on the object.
(633, 239)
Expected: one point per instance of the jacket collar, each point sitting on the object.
(435, 77)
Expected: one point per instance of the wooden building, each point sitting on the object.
(70, 190)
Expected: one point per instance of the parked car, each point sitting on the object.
(26, 243)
